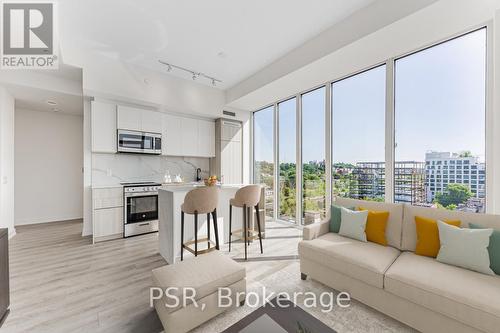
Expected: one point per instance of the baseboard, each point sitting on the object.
(46, 220)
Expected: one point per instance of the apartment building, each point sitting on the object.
(443, 168)
(409, 181)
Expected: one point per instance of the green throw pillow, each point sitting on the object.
(493, 248)
(335, 218)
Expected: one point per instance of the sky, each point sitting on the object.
(439, 105)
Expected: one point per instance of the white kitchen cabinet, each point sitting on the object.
(231, 167)
(107, 213)
(108, 223)
(107, 197)
(228, 162)
(206, 138)
(151, 121)
(129, 118)
(103, 122)
(171, 135)
(230, 131)
(189, 137)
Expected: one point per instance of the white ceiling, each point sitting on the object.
(227, 39)
(36, 99)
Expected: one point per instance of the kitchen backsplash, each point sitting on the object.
(111, 169)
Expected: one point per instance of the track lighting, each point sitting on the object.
(194, 74)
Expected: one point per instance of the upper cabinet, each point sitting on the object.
(139, 120)
(188, 137)
(151, 121)
(189, 141)
(206, 138)
(103, 122)
(129, 118)
(181, 136)
(171, 135)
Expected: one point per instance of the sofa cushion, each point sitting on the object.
(469, 297)
(466, 248)
(353, 224)
(428, 236)
(394, 223)
(376, 225)
(363, 261)
(493, 248)
(409, 239)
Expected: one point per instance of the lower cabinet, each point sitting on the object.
(108, 223)
(107, 213)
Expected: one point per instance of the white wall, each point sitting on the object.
(7, 161)
(49, 161)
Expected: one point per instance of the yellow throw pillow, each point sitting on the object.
(375, 226)
(428, 243)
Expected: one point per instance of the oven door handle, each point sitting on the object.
(140, 194)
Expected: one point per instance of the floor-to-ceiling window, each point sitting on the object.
(440, 125)
(358, 135)
(287, 153)
(425, 146)
(313, 155)
(263, 129)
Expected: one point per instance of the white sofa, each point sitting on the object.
(419, 291)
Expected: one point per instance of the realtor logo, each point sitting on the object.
(28, 36)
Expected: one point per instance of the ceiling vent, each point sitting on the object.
(229, 113)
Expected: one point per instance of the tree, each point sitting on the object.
(455, 194)
(465, 153)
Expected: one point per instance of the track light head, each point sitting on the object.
(169, 68)
(213, 82)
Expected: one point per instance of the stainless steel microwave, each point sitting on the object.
(139, 142)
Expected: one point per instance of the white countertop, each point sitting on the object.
(106, 186)
(188, 187)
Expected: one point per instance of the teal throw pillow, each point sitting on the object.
(493, 248)
(335, 218)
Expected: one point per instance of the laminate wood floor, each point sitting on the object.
(60, 282)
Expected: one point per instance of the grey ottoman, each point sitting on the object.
(203, 275)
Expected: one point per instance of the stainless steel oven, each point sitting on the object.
(139, 142)
(140, 208)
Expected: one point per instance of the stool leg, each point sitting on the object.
(195, 234)
(245, 228)
(216, 229)
(249, 214)
(258, 226)
(208, 229)
(230, 222)
(182, 236)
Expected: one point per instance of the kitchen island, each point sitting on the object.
(170, 199)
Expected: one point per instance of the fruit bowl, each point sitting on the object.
(210, 181)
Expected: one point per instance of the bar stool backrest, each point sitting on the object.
(201, 200)
(248, 195)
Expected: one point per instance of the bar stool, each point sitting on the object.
(201, 200)
(246, 198)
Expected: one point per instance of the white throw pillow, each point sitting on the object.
(353, 223)
(467, 248)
